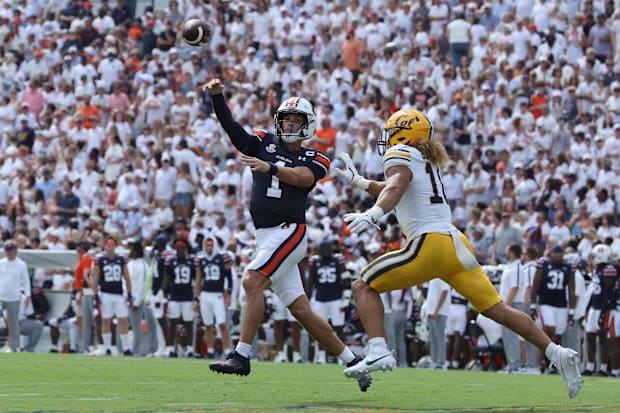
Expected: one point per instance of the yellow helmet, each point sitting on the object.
(406, 126)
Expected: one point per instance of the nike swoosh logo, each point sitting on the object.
(371, 362)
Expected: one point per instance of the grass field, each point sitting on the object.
(59, 382)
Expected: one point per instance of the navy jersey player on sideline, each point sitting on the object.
(601, 303)
(554, 292)
(212, 294)
(178, 282)
(109, 270)
(284, 173)
(327, 286)
(158, 302)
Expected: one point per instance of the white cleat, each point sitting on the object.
(371, 363)
(281, 357)
(568, 365)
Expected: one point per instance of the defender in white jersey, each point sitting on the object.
(434, 247)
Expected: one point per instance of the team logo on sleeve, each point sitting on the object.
(271, 148)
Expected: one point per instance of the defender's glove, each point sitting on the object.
(350, 173)
(361, 221)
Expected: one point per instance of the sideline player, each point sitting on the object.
(284, 174)
(412, 162)
(327, 278)
(178, 281)
(212, 294)
(109, 269)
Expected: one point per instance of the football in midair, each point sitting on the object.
(196, 32)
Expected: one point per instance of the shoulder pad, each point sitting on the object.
(401, 155)
(260, 133)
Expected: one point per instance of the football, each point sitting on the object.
(196, 32)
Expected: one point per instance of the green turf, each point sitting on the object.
(59, 382)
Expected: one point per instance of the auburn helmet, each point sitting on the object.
(295, 105)
(406, 127)
(601, 254)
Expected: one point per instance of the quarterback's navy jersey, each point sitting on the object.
(215, 273)
(273, 201)
(182, 273)
(327, 283)
(554, 283)
(110, 273)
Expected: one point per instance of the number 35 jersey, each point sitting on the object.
(111, 273)
(273, 201)
(423, 208)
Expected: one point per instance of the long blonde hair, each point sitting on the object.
(434, 151)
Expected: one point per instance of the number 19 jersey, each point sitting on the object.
(423, 208)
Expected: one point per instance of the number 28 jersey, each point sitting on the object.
(423, 208)
(110, 273)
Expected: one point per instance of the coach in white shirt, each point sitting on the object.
(511, 289)
(13, 280)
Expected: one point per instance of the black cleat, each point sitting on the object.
(365, 381)
(127, 353)
(587, 372)
(235, 364)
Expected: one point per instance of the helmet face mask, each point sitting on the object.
(404, 127)
(302, 107)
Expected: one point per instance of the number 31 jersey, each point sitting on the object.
(423, 207)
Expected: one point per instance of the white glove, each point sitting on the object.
(361, 221)
(350, 173)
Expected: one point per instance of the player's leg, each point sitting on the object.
(475, 285)
(394, 270)
(188, 325)
(296, 340)
(174, 319)
(613, 341)
(238, 362)
(592, 330)
(107, 312)
(221, 320)
(206, 313)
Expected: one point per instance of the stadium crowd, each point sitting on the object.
(108, 134)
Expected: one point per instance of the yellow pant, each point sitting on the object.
(429, 256)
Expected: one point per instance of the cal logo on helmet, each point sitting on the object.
(405, 127)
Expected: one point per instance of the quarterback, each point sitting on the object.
(413, 189)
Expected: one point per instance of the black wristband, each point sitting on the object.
(273, 168)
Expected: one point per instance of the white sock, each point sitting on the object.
(169, 349)
(107, 340)
(125, 345)
(244, 349)
(551, 352)
(346, 355)
(603, 367)
(189, 349)
(615, 372)
(377, 345)
(590, 366)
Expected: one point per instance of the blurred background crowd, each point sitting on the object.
(106, 131)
